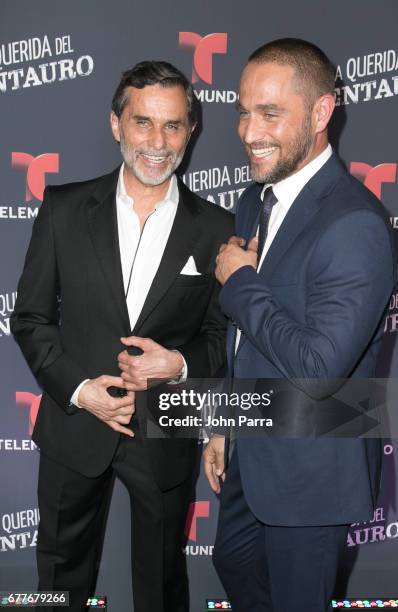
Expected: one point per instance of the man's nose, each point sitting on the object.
(252, 131)
(157, 140)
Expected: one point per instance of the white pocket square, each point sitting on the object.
(190, 268)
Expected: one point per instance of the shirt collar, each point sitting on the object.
(286, 191)
(171, 197)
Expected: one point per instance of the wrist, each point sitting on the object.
(182, 374)
(76, 398)
(178, 364)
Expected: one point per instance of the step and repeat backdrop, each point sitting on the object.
(59, 65)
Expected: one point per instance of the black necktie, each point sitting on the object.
(266, 208)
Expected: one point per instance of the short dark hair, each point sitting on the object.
(154, 73)
(314, 71)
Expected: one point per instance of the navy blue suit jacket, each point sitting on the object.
(313, 311)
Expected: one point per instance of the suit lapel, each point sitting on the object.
(102, 222)
(298, 216)
(184, 234)
(301, 212)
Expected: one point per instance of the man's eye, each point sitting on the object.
(243, 114)
(172, 126)
(142, 122)
(269, 116)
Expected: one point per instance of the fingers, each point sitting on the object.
(115, 408)
(128, 360)
(95, 398)
(123, 358)
(111, 381)
(219, 464)
(118, 403)
(209, 469)
(233, 241)
(124, 412)
(123, 361)
(131, 370)
(122, 419)
(136, 386)
(133, 376)
(142, 343)
(253, 244)
(213, 458)
(237, 240)
(232, 248)
(119, 428)
(129, 341)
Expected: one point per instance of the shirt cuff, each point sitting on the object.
(184, 372)
(73, 399)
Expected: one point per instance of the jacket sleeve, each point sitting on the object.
(35, 320)
(350, 279)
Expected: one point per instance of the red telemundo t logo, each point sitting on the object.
(373, 177)
(203, 47)
(200, 509)
(36, 168)
(32, 403)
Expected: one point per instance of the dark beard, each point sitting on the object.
(288, 165)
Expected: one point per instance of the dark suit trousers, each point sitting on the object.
(73, 511)
(273, 569)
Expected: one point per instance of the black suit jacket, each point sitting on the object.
(71, 312)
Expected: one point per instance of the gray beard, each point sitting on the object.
(128, 156)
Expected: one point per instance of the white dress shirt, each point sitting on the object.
(286, 191)
(141, 251)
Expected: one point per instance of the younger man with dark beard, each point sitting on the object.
(306, 300)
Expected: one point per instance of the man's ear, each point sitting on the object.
(115, 126)
(323, 110)
(190, 132)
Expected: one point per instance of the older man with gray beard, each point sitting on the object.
(131, 257)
